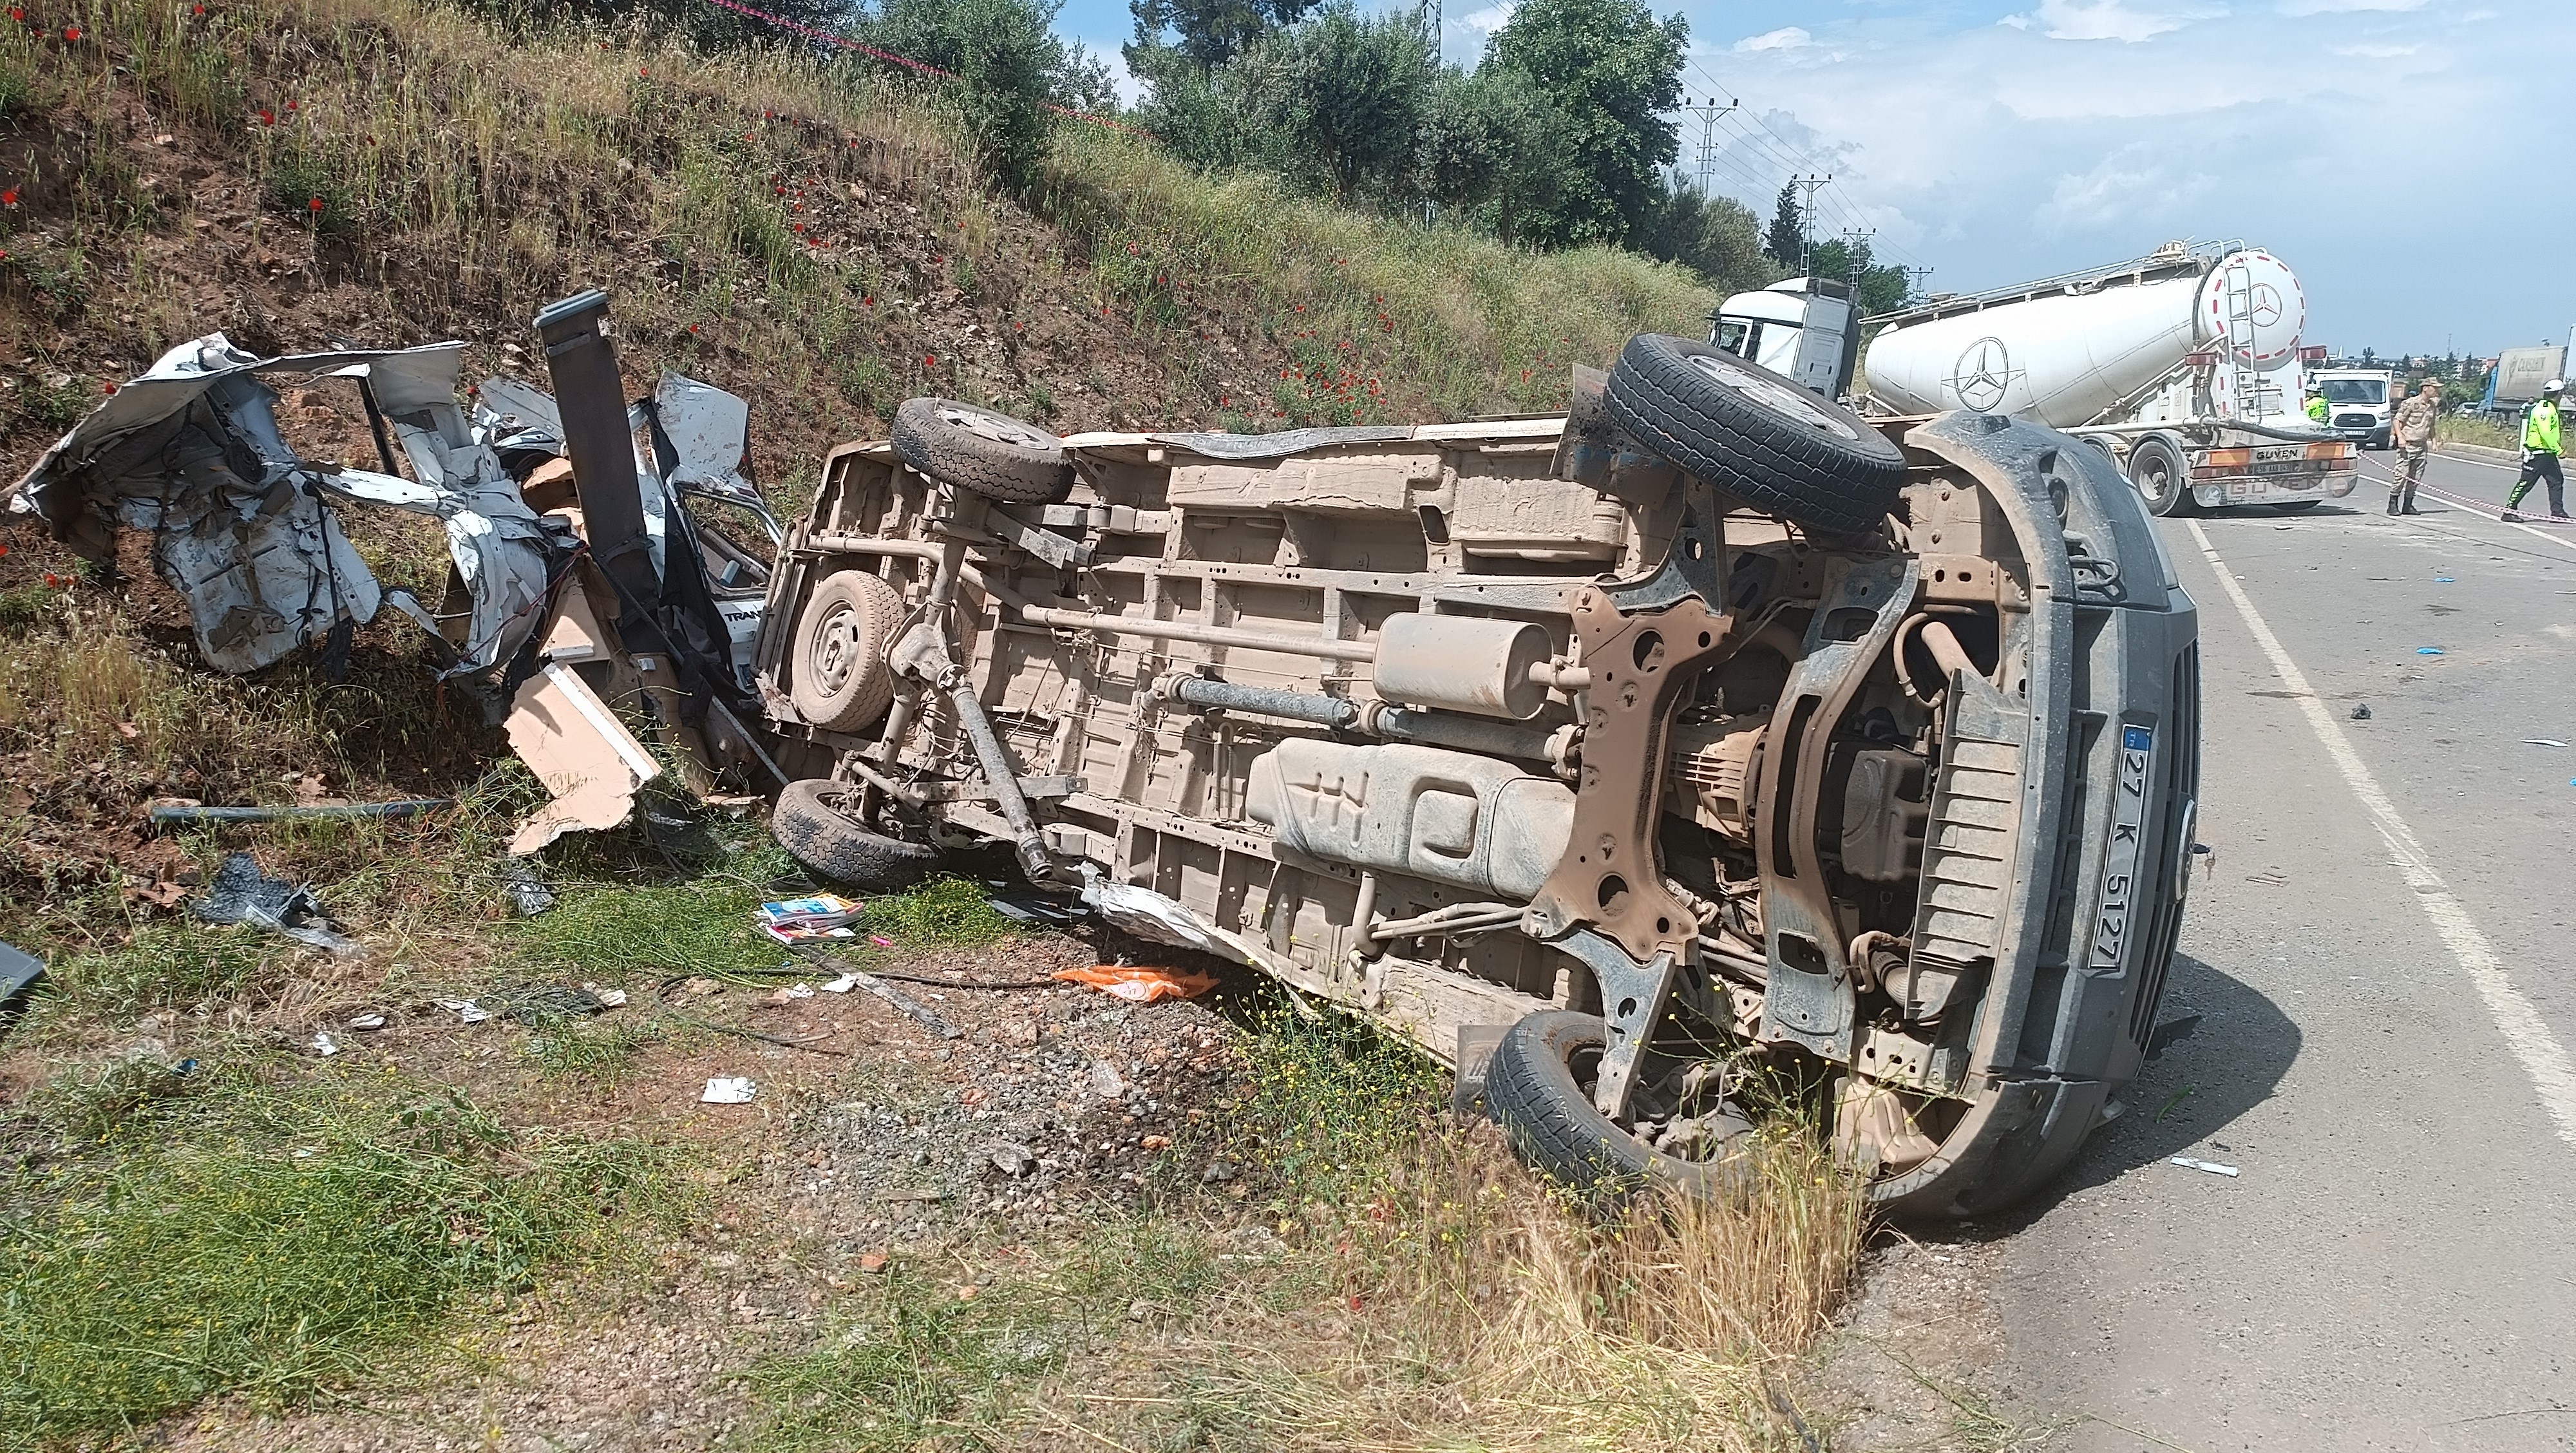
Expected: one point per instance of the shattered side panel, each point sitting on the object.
(191, 451)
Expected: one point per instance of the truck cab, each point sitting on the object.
(1802, 328)
(2359, 402)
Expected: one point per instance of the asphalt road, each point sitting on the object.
(2378, 952)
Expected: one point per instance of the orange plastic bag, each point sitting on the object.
(1139, 984)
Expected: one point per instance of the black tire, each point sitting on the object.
(810, 823)
(1755, 434)
(837, 674)
(976, 449)
(2162, 480)
(1534, 1091)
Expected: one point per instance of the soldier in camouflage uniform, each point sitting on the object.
(2412, 431)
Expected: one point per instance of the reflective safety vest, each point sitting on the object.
(2317, 408)
(2540, 428)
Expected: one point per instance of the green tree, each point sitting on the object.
(1717, 237)
(1007, 66)
(1612, 71)
(1492, 149)
(1208, 33)
(1343, 99)
(1877, 287)
(1787, 239)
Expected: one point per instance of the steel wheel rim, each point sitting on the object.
(834, 656)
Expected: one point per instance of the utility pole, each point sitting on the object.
(1807, 218)
(1707, 115)
(1914, 277)
(1859, 238)
(1427, 15)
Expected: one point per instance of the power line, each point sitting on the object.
(1776, 150)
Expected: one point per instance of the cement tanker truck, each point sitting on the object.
(2183, 365)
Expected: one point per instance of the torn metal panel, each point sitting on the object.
(583, 754)
(191, 451)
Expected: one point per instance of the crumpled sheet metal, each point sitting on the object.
(191, 451)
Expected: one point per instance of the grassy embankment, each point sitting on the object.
(310, 1230)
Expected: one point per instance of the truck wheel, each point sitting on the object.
(975, 449)
(812, 822)
(838, 677)
(1538, 1088)
(1751, 432)
(2157, 470)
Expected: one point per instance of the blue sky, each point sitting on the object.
(2381, 147)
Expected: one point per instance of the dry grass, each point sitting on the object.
(1482, 1312)
(1399, 1283)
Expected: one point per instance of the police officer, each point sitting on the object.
(2540, 450)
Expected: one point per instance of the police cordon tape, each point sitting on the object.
(833, 37)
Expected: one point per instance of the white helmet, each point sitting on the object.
(2555, 385)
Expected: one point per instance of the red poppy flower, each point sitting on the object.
(290, 106)
(693, 327)
(267, 117)
(107, 388)
(645, 71)
(930, 362)
(9, 198)
(71, 32)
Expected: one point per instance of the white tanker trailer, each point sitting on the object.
(2184, 365)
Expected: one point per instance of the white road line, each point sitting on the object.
(2552, 1073)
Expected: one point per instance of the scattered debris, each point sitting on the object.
(791, 993)
(1139, 984)
(1013, 1160)
(2444, 580)
(243, 894)
(928, 1018)
(842, 985)
(608, 998)
(2170, 1033)
(170, 815)
(367, 1022)
(2428, 651)
(2211, 1166)
(2542, 742)
(466, 1010)
(19, 973)
(792, 921)
(728, 1090)
(528, 894)
(2361, 712)
(872, 1261)
(324, 1045)
(542, 1004)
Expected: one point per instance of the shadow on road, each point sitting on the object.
(2229, 1047)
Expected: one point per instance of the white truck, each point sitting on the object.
(2360, 402)
(2183, 366)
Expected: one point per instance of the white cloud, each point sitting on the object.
(2116, 19)
(1787, 37)
(1489, 19)
(2000, 152)
(2344, 7)
(2134, 182)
